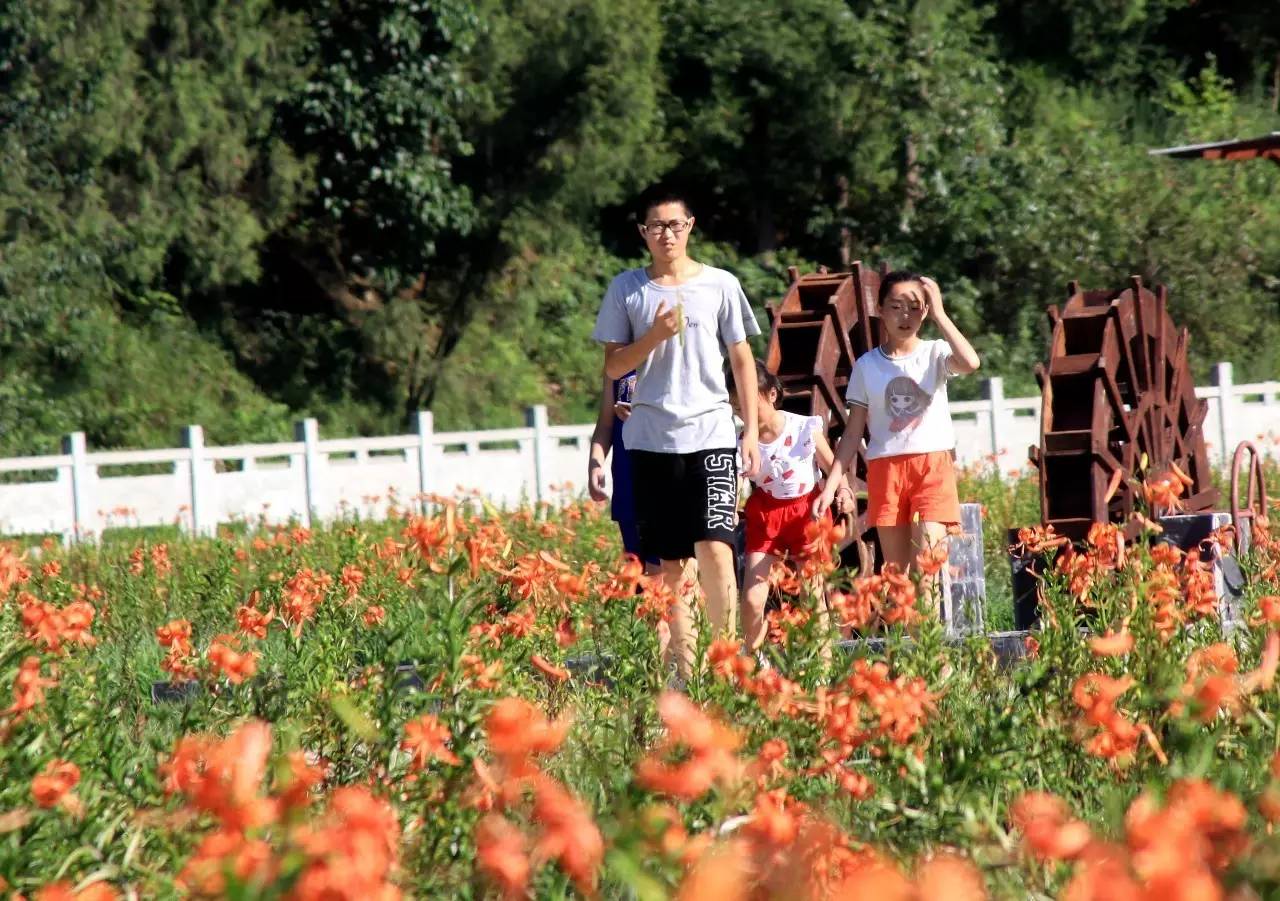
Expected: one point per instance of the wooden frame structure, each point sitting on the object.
(824, 322)
(1118, 404)
(1266, 147)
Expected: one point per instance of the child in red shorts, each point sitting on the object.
(793, 449)
(898, 391)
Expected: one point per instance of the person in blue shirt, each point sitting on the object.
(615, 407)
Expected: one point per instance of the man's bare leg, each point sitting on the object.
(677, 576)
(717, 573)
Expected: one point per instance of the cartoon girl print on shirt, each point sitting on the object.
(906, 402)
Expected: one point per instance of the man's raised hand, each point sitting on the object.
(666, 322)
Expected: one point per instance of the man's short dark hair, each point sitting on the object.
(657, 196)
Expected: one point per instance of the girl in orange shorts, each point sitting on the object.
(898, 391)
(793, 454)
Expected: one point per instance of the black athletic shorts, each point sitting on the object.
(681, 499)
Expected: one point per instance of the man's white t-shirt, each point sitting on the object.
(680, 404)
(906, 400)
(789, 463)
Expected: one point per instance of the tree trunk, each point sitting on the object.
(912, 178)
(457, 315)
(766, 231)
(349, 294)
(1275, 86)
(846, 233)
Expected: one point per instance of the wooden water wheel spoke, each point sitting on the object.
(1161, 361)
(1116, 395)
(1117, 402)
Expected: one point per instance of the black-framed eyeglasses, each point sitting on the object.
(655, 229)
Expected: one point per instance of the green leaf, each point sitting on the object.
(628, 870)
(353, 718)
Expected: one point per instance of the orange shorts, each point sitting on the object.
(902, 488)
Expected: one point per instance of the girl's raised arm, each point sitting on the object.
(964, 359)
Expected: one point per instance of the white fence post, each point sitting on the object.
(201, 518)
(537, 420)
(993, 390)
(308, 486)
(426, 439)
(1226, 400)
(81, 473)
(308, 432)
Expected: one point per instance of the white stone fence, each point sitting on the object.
(198, 486)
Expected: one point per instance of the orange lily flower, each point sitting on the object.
(501, 855)
(557, 674)
(426, 739)
(1112, 644)
(53, 785)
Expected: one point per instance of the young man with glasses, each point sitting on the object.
(674, 322)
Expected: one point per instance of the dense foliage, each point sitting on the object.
(240, 213)
(470, 704)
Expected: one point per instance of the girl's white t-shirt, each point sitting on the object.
(789, 463)
(906, 400)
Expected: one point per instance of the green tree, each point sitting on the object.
(379, 116)
(357, 211)
(357, 290)
(1085, 201)
(137, 166)
(763, 113)
(573, 125)
(829, 145)
(1089, 41)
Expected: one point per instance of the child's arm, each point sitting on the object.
(964, 359)
(846, 450)
(744, 376)
(826, 458)
(822, 450)
(601, 442)
(619, 359)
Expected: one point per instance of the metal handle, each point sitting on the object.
(1256, 491)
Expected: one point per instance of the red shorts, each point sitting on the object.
(911, 486)
(777, 526)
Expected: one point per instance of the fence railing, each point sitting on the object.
(199, 486)
(999, 430)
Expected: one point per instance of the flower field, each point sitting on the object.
(470, 704)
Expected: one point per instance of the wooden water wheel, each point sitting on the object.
(1117, 394)
(824, 322)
